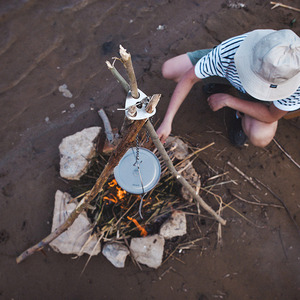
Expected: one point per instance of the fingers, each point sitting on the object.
(215, 101)
(162, 137)
(210, 103)
(164, 131)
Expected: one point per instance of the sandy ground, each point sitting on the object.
(45, 44)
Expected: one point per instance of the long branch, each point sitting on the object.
(128, 139)
(118, 76)
(169, 163)
(173, 171)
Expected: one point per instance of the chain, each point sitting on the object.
(137, 155)
(137, 163)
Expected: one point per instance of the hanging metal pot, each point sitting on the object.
(138, 173)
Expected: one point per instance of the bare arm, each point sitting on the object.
(181, 91)
(256, 110)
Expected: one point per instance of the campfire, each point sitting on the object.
(116, 214)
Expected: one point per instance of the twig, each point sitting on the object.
(165, 272)
(189, 243)
(132, 256)
(244, 175)
(153, 103)
(217, 176)
(126, 59)
(221, 183)
(276, 4)
(118, 76)
(282, 202)
(174, 172)
(281, 242)
(255, 203)
(195, 152)
(108, 130)
(287, 155)
(219, 236)
(236, 211)
(186, 166)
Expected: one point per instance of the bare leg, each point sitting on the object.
(259, 133)
(176, 67)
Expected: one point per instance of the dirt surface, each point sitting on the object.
(45, 44)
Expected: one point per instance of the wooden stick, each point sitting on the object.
(287, 155)
(277, 4)
(153, 103)
(255, 203)
(118, 76)
(283, 203)
(108, 130)
(244, 175)
(127, 141)
(169, 163)
(126, 59)
(130, 131)
(173, 171)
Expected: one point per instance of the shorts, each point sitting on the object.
(196, 55)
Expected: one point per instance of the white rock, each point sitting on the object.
(76, 150)
(148, 250)
(178, 147)
(77, 239)
(116, 253)
(161, 27)
(175, 226)
(64, 90)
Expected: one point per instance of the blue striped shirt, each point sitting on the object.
(220, 62)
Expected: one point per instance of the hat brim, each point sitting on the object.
(252, 83)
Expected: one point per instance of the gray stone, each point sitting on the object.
(175, 226)
(76, 239)
(116, 253)
(179, 149)
(76, 150)
(148, 250)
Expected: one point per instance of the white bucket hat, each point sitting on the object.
(268, 64)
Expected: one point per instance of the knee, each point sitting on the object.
(260, 134)
(262, 138)
(260, 142)
(166, 70)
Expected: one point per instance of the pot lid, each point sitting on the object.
(141, 177)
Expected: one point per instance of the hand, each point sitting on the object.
(164, 131)
(217, 101)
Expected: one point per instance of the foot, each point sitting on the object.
(236, 133)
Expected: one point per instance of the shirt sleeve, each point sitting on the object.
(289, 104)
(209, 65)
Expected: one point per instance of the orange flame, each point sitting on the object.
(112, 199)
(120, 192)
(112, 183)
(140, 228)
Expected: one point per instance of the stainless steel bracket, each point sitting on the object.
(141, 104)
